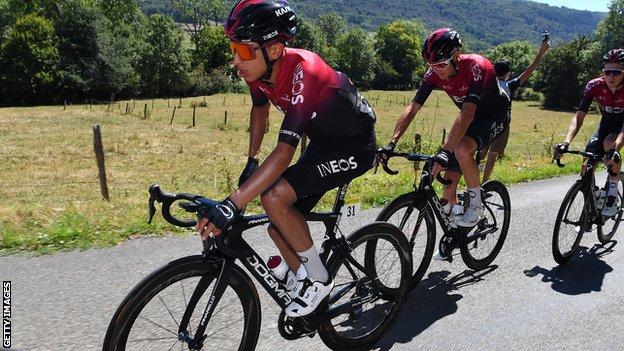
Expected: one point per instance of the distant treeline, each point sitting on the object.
(55, 50)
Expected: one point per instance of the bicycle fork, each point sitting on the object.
(196, 342)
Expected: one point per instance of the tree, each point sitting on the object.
(332, 25)
(121, 12)
(78, 27)
(609, 31)
(199, 13)
(213, 49)
(30, 60)
(356, 57)
(309, 36)
(562, 74)
(398, 47)
(163, 62)
(519, 53)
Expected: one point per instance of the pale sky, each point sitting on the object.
(591, 5)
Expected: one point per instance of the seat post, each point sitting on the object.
(340, 196)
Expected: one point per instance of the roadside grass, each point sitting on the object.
(49, 192)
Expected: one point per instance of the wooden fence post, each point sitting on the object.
(194, 116)
(173, 115)
(64, 105)
(145, 112)
(99, 156)
(225, 118)
(180, 103)
(127, 107)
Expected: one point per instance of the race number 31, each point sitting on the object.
(350, 210)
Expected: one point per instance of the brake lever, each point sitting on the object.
(151, 209)
(388, 170)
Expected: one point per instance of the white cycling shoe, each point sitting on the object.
(611, 207)
(471, 217)
(307, 295)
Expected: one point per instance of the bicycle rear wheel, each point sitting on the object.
(375, 309)
(149, 318)
(569, 225)
(609, 227)
(480, 245)
(419, 229)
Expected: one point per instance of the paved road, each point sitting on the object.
(525, 302)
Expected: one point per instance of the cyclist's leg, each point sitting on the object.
(289, 254)
(608, 144)
(464, 152)
(496, 150)
(595, 146)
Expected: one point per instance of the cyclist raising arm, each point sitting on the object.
(470, 82)
(608, 91)
(317, 101)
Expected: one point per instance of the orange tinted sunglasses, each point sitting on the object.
(244, 51)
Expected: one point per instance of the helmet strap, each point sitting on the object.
(269, 63)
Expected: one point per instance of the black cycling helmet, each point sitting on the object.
(614, 56)
(440, 45)
(261, 21)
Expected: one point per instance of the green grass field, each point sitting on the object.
(49, 191)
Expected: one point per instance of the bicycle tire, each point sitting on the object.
(406, 220)
(343, 339)
(562, 257)
(467, 238)
(191, 267)
(606, 236)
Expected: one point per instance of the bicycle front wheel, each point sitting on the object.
(151, 316)
(569, 225)
(419, 229)
(480, 245)
(372, 309)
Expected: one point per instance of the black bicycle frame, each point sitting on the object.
(229, 246)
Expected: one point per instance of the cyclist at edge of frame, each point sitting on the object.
(316, 101)
(608, 91)
(470, 81)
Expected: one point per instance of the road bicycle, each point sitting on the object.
(581, 209)
(209, 302)
(413, 213)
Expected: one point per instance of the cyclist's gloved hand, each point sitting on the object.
(384, 152)
(442, 157)
(250, 167)
(222, 215)
(614, 155)
(560, 149)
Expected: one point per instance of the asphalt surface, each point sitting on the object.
(524, 301)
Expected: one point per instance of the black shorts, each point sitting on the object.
(326, 166)
(606, 127)
(483, 129)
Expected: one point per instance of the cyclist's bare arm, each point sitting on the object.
(268, 172)
(529, 71)
(575, 125)
(460, 126)
(258, 120)
(404, 120)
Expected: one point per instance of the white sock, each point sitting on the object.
(612, 191)
(312, 262)
(447, 208)
(475, 196)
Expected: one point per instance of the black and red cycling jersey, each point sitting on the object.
(315, 99)
(475, 81)
(611, 104)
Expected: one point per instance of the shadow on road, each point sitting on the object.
(582, 275)
(433, 299)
